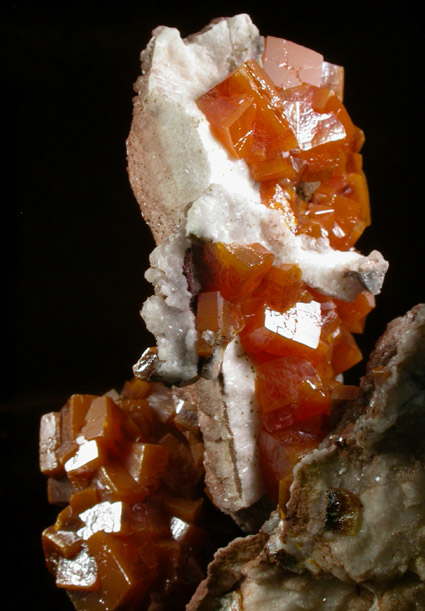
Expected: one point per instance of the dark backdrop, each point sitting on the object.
(74, 245)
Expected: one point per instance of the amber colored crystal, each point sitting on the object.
(66, 450)
(145, 462)
(182, 476)
(197, 452)
(144, 369)
(86, 601)
(232, 119)
(134, 428)
(318, 119)
(356, 189)
(150, 516)
(103, 422)
(83, 499)
(188, 536)
(353, 314)
(136, 389)
(186, 509)
(278, 381)
(281, 287)
(59, 490)
(279, 453)
(106, 516)
(65, 543)
(344, 392)
(137, 419)
(67, 519)
(347, 163)
(380, 375)
(78, 573)
(345, 353)
(216, 314)
(231, 99)
(73, 416)
(217, 321)
(169, 559)
(317, 141)
(343, 511)
(233, 269)
(122, 572)
(295, 331)
(341, 395)
(299, 339)
(337, 220)
(84, 462)
(330, 322)
(281, 197)
(49, 443)
(144, 543)
(116, 484)
(275, 166)
(186, 420)
(133, 522)
(341, 206)
(313, 400)
(131, 467)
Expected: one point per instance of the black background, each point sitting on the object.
(74, 247)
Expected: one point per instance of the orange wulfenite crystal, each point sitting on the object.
(135, 514)
(248, 87)
(291, 135)
(299, 340)
(233, 269)
(217, 321)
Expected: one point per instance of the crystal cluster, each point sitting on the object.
(127, 470)
(300, 144)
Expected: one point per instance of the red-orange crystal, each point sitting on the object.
(299, 340)
(291, 136)
(300, 143)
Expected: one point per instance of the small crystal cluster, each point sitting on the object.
(299, 143)
(128, 470)
(298, 339)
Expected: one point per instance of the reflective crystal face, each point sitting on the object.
(129, 471)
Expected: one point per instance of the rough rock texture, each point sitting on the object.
(172, 158)
(220, 215)
(378, 458)
(226, 571)
(321, 556)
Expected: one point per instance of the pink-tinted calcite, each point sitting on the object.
(289, 64)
